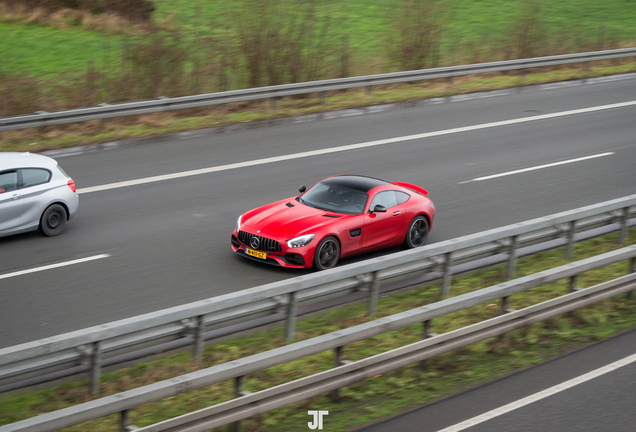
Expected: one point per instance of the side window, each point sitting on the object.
(8, 181)
(402, 197)
(386, 198)
(34, 176)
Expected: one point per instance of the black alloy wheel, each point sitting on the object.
(417, 234)
(53, 220)
(327, 253)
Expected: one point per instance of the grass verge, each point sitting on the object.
(384, 395)
(93, 132)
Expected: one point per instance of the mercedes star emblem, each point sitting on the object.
(255, 242)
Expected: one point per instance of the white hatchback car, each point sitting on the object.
(35, 193)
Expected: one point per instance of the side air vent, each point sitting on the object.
(289, 205)
(331, 216)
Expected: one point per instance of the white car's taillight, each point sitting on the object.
(71, 184)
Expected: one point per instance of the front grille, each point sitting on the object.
(264, 244)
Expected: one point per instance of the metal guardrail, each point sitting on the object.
(247, 404)
(94, 344)
(105, 111)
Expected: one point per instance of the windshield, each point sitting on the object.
(330, 196)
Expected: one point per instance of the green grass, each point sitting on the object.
(34, 49)
(381, 396)
(366, 22)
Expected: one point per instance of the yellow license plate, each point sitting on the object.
(257, 254)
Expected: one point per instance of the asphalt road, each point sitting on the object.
(168, 241)
(603, 403)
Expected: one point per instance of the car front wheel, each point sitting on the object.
(53, 220)
(327, 253)
(417, 234)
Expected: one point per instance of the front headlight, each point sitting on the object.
(238, 223)
(300, 241)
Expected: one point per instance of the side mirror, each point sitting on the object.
(302, 189)
(379, 208)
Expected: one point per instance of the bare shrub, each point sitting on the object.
(18, 94)
(282, 41)
(416, 36)
(13, 13)
(528, 31)
(110, 23)
(153, 66)
(133, 10)
(37, 16)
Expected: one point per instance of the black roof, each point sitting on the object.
(360, 183)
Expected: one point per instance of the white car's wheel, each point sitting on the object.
(53, 221)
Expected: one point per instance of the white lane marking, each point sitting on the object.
(541, 395)
(52, 266)
(538, 167)
(357, 146)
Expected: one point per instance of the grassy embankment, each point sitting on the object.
(82, 63)
(384, 395)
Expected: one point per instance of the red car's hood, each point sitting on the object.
(281, 220)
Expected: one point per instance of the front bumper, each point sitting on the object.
(301, 257)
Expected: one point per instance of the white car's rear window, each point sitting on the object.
(35, 176)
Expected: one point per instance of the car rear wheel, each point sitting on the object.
(53, 220)
(417, 234)
(327, 253)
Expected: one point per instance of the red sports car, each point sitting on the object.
(337, 217)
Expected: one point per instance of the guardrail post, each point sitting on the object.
(569, 252)
(368, 89)
(335, 393)
(323, 96)
(239, 382)
(448, 275)
(290, 327)
(512, 257)
(426, 334)
(631, 269)
(272, 103)
(102, 122)
(572, 288)
(124, 422)
(504, 306)
(374, 293)
(624, 218)
(96, 367)
(504, 310)
(572, 284)
(197, 349)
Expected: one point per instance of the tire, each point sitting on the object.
(327, 253)
(53, 220)
(417, 233)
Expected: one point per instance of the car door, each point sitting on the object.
(34, 184)
(383, 228)
(10, 201)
